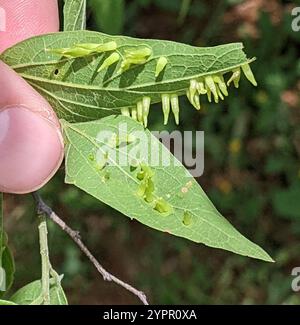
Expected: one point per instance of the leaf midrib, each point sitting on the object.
(128, 89)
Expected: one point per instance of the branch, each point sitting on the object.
(43, 208)
(44, 251)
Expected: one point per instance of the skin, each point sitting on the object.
(31, 144)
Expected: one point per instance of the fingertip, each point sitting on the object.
(27, 18)
(31, 150)
(16, 91)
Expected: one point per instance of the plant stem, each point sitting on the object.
(184, 10)
(45, 210)
(44, 251)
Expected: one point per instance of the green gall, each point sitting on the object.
(193, 88)
(125, 111)
(106, 47)
(149, 197)
(141, 189)
(220, 93)
(71, 52)
(81, 50)
(140, 53)
(134, 113)
(175, 107)
(91, 157)
(140, 175)
(209, 95)
(192, 95)
(135, 57)
(117, 140)
(187, 218)
(162, 206)
(249, 74)
(113, 58)
(235, 78)
(105, 177)
(219, 80)
(166, 105)
(148, 170)
(98, 48)
(197, 102)
(160, 66)
(87, 46)
(211, 88)
(140, 111)
(201, 88)
(146, 109)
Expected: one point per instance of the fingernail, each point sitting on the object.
(31, 150)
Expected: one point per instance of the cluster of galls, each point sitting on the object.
(146, 190)
(214, 85)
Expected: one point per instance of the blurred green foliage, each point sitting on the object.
(108, 15)
(252, 170)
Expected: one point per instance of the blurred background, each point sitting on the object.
(252, 171)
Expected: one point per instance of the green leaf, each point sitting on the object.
(27, 294)
(64, 68)
(109, 15)
(8, 265)
(163, 197)
(31, 294)
(58, 296)
(7, 303)
(74, 15)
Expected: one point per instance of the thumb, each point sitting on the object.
(31, 145)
